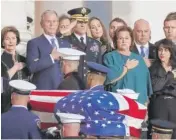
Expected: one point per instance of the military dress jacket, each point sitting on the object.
(92, 48)
(19, 123)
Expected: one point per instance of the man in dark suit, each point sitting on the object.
(80, 41)
(43, 59)
(170, 29)
(142, 35)
(70, 63)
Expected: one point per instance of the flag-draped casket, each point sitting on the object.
(43, 103)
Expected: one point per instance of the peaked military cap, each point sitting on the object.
(97, 68)
(70, 54)
(70, 118)
(162, 126)
(22, 87)
(80, 14)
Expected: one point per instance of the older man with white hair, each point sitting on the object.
(143, 47)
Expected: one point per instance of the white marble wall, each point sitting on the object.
(15, 13)
(153, 11)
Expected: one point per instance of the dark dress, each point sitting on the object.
(6, 64)
(72, 81)
(163, 102)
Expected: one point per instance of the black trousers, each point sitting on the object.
(164, 107)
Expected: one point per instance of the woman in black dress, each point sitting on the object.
(12, 64)
(163, 76)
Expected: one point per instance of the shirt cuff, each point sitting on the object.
(52, 58)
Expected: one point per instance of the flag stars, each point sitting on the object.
(98, 101)
(96, 121)
(88, 125)
(89, 98)
(112, 113)
(119, 117)
(64, 99)
(110, 103)
(108, 122)
(80, 101)
(72, 100)
(64, 105)
(119, 126)
(101, 97)
(103, 125)
(89, 104)
(73, 106)
(82, 109)
(105, 94)
(96, 113)
(104, 119)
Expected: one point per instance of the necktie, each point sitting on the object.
(142, 51)
(82, 40)
(53, 42)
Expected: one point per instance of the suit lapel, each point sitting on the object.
(135, 50)
(75, 41)
(152, 51)
(45, 44)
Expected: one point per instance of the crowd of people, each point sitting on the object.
(60, 59)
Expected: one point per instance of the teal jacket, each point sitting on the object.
(137, 79)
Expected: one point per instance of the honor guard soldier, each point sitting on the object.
(80, 41)
(70, 63)
(162, 129)
(70, 124)
(18, 122)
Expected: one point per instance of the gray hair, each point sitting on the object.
(46, 12)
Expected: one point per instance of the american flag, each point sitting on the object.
(119, 110)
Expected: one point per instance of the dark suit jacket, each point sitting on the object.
(92, 50)
(72, 81)
(152, 51)
(46, 74)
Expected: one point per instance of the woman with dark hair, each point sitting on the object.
(163, 76)
(129, 70)
(99, 33)
(12, 64)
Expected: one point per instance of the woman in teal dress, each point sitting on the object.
(129, 70)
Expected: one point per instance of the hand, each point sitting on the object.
(72, 24)
(130, 64)
(18, 66)
(55, 54)
(147, 62)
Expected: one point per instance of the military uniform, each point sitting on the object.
(91, 47)
(72, 81)
(18, 122)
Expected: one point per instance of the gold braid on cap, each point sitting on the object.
(166, 130)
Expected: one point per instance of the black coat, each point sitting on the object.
(162, 82)
(152, 51)
(72, 81)
(92, 50)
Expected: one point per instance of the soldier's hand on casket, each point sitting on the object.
(53, 131)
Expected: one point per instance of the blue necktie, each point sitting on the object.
(142, 51)
(53, 42)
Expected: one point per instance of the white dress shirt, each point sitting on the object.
(84, 36)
